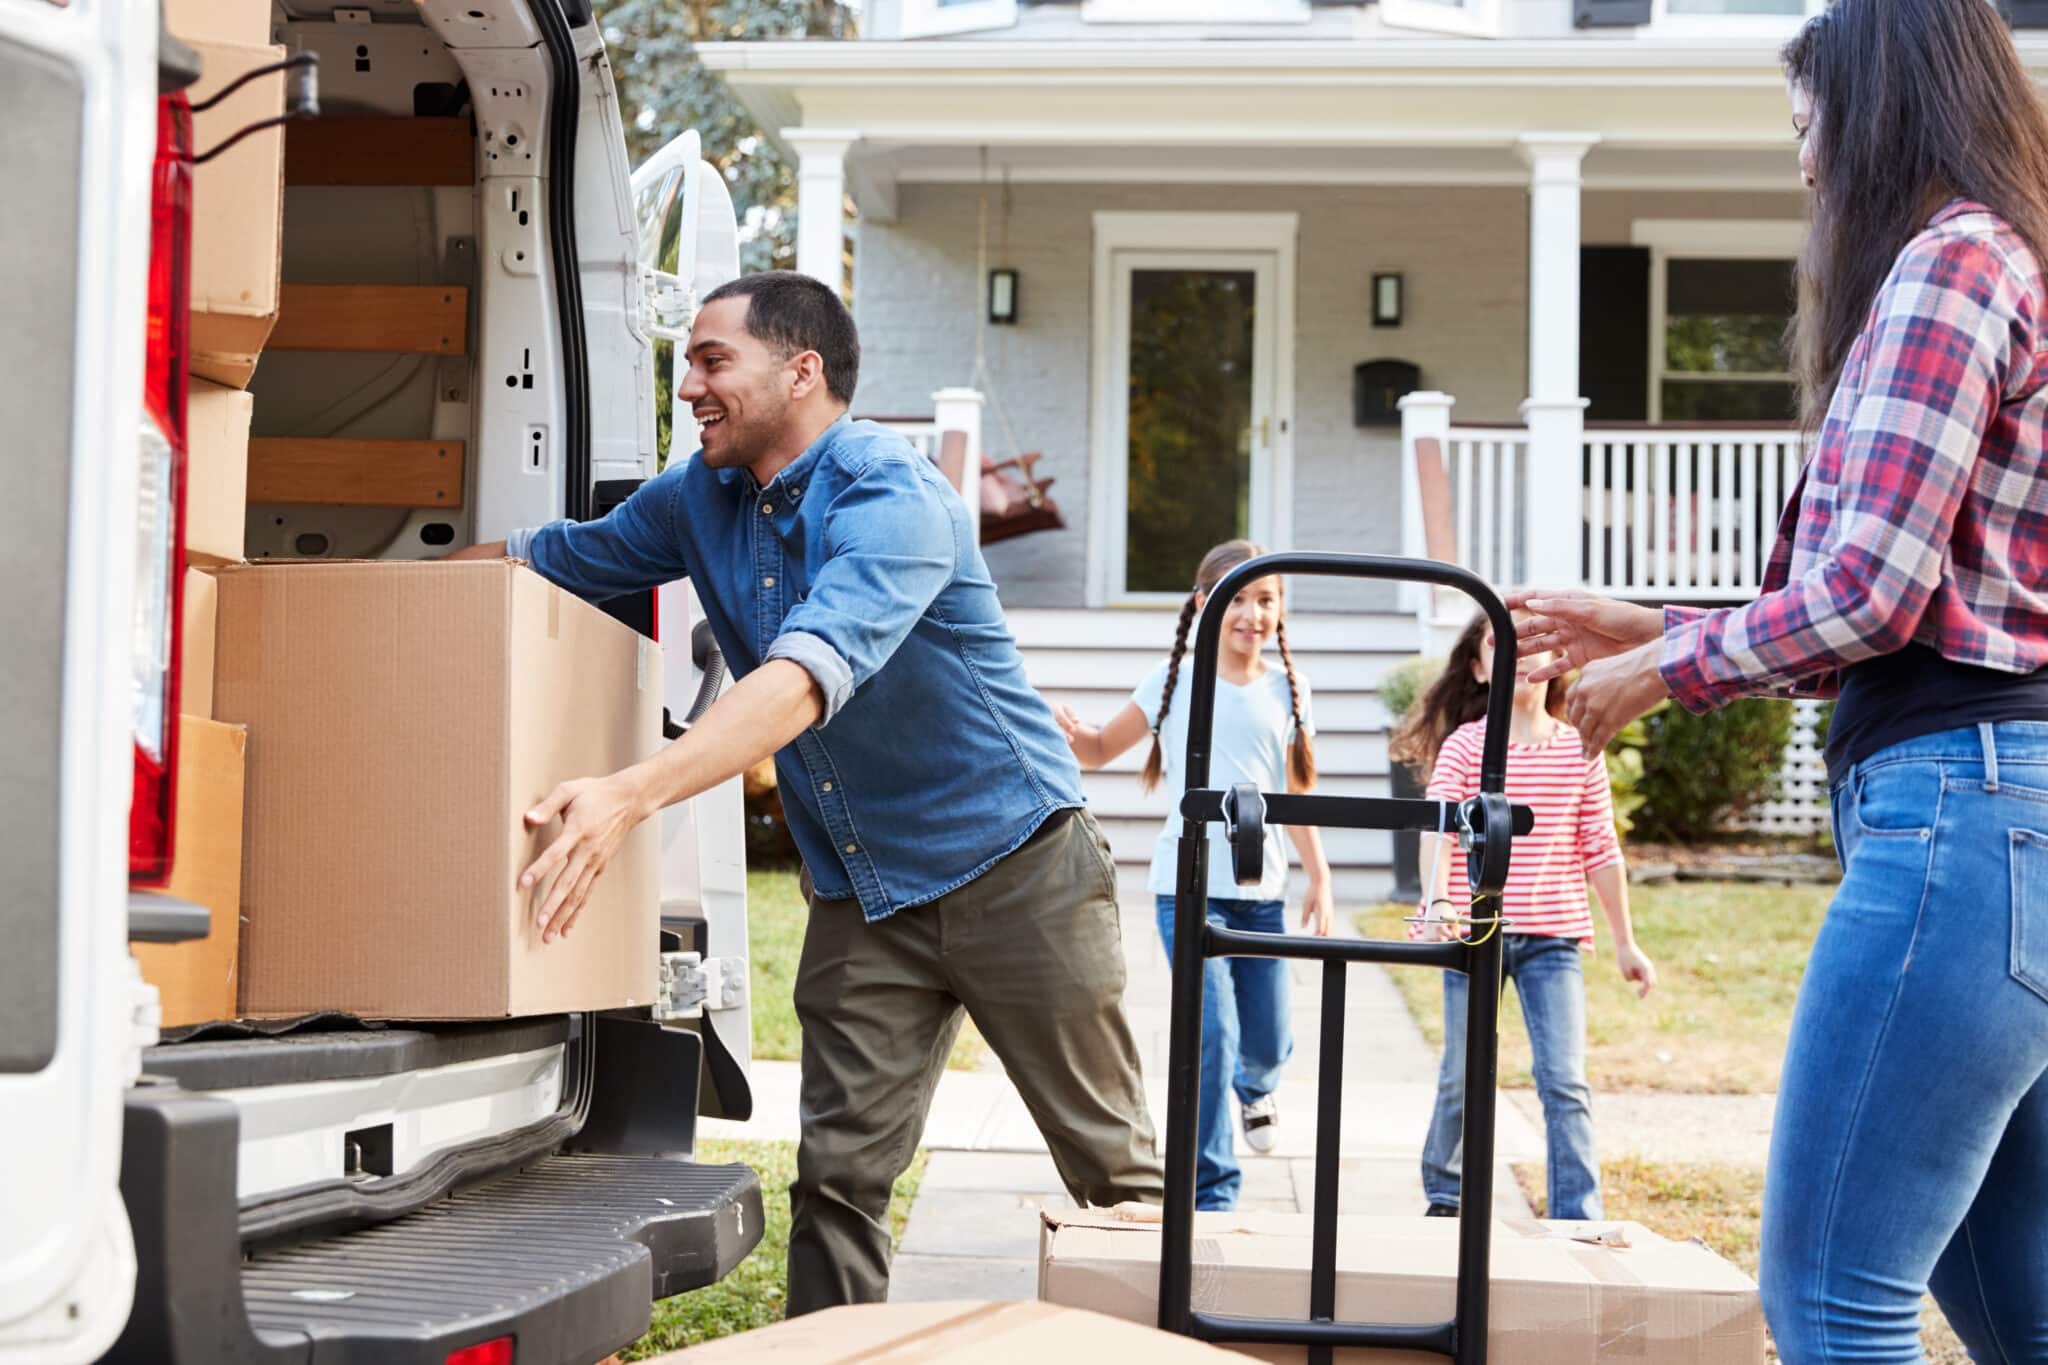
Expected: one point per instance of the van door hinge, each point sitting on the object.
(692, 983)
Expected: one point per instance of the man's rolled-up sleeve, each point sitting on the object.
(891, 546)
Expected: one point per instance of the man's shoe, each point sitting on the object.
(1441, 1211)
(1261, 1123)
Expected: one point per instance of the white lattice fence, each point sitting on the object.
(1802, 804)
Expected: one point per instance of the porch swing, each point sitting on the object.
(1014, 500)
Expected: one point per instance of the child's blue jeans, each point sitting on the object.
(1246, 1038)
(1551, 984)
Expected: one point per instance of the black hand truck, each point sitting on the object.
(1486, 825)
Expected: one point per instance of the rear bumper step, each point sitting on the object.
(567, 1255)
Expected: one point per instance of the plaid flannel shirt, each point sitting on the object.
(1922, 514)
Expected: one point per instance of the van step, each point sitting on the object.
(567, 1256)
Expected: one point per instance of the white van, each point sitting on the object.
(484, 1193)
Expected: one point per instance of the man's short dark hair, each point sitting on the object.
(791, 313)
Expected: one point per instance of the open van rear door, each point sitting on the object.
(76, 151)
(689, 245)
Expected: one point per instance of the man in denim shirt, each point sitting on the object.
(949, 860)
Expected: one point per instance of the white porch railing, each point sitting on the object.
(1684, 514)
(1665, 514)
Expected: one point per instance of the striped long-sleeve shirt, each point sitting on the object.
(1922, 515)
(1573, 835)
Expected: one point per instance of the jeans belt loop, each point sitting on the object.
(1985, 731)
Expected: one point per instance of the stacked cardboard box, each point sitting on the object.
(403, 717)
(197, 982)
(238, 197)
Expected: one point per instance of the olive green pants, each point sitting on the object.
(1033, 952)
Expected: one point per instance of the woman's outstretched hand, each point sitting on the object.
(1579, 628)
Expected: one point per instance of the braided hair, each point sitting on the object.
(1301, 758)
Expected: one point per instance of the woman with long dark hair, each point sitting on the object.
(1910, 578)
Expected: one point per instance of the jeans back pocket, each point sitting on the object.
(2030, 910)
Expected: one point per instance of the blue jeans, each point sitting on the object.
(1552, 987)
(1910, 1150)
(1246, 1038)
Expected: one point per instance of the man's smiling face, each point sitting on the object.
(737, 387)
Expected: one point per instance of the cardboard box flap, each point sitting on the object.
(1561, 1291)
(987, 1333)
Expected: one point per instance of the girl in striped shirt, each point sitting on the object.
(1572, 844)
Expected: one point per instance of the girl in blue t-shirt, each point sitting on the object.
(1261, 734)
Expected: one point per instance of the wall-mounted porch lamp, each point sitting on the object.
(1386, 300)
(1002, 296)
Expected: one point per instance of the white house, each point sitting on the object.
(1574, 219)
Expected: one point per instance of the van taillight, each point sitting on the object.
(160, 500)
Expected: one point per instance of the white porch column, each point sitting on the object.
(959, 409)
(1555, 413)
(821, 200)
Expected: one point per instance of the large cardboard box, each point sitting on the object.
(237, 214)
(941, 1333)
(201, 613)
(216, 472)
(405, 717)
(246, 22)
(196, 981)
(1563, 1293)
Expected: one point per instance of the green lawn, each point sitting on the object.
(751, 1296)
(1729, 957)
(1720, 1205)
(775, 940)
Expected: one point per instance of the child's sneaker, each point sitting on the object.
(1261, 1123)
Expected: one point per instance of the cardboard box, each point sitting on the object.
(196, 981)
(406, 716)
(195, 659)
(985, 1333)
(1556, 1300)
(246, 22)
(216, 472)
(237, 214)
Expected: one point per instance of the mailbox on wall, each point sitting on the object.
(1376, 386)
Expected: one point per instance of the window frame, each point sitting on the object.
(1706, 239)
(1470, 18)
(1195, 11)
(931, 19)
(1663, 22)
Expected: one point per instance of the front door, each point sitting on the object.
(1192, 415)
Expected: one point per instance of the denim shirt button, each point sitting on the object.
(766, 508)
(827, 787)
(853, 848)
(768, 582)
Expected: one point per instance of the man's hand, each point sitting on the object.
(1070, 724)
(1636, 967)
(597, 814)
(1612, 692)
(1580, 628)
(1318, 908)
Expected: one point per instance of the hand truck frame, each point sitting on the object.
(1486, 825)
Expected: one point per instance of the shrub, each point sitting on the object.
(1404, 683)
(1700, 772)
(1624, 758)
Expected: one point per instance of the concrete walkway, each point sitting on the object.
(973, 1232)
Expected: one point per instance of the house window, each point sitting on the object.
(1721, 296)
(1195, 11)
(935, 18)
(1731, 17)
(1720, 354)
(1481, 18)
